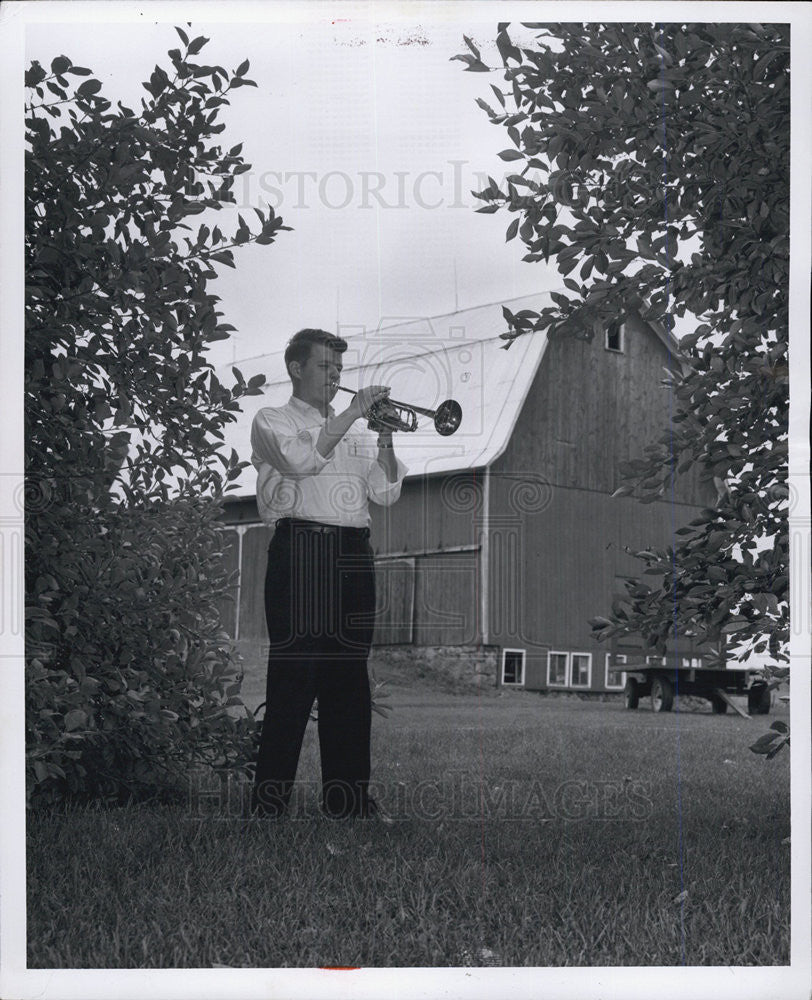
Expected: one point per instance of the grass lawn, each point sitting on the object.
(529, 831)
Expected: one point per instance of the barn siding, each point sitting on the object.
(552, 570)
(227, 605)
(446, 610)
(395, 601)
(589, 410)
(436, 524)
(433, 513)
(255, 542)
(557, 536)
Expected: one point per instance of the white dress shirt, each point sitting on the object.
(294, 480)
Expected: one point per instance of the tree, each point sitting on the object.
(130, 679)
(654, 159)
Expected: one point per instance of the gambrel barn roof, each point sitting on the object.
(425, 361)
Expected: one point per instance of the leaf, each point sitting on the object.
(764, 743)
(197, 44)
(88, 88)
(224, 257)
(183, 36)
(764, 62)
(511, 154)
(507, 50)
(75, 720)
(36, 74)
(60, 65)
(473, 65)
(512, 229)
(243, 68)
(471, 46)
(666, 57)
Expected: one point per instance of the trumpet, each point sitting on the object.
(390, 415)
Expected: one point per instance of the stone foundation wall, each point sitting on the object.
(452, 668)
(447, 668)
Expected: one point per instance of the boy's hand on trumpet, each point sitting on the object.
(365, 399)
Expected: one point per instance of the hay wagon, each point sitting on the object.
(662, 681)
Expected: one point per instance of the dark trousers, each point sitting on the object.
(320, 611)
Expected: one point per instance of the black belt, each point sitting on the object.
(300, 524)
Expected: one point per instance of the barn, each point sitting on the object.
(506, 539)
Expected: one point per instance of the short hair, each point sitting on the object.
(300, 344)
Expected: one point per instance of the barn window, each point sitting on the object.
(513, 666)
(614, 336)
(581, 672)
(557, 673)
(615, 678)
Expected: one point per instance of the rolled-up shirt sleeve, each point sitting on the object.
(276, 442)
(379, 489)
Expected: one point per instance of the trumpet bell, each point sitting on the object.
(448, 417)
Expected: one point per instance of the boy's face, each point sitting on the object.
(316, 379)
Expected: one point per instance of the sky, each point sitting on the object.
(366, 138)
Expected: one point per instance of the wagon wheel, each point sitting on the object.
(758, 700)
(718, 704)
(662, 694)
(631, 693)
